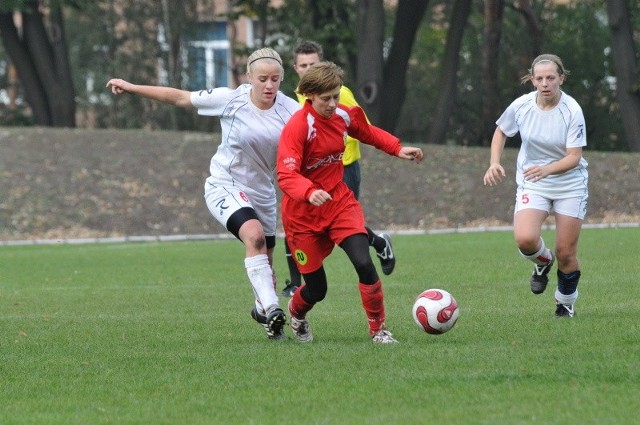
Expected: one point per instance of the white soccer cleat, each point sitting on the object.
(383, 336)
(301, 329)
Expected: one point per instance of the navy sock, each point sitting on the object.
(568, 282)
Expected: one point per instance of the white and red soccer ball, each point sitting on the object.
(435, 311)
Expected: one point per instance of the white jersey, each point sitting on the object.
(546, 135)
(247, 153)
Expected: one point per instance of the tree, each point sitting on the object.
(449, 72)
(493, 10)
(534, 27)
(370, 63)
(626, 67)
(40, 54)
(408, 18)
(382, 82)
(493, 16)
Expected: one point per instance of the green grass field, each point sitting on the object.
(160, 333)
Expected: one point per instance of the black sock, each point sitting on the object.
(568, 282)
(378, 243)
(294, 273)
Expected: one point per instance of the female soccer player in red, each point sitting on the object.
(319, 210)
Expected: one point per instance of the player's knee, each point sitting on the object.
(258, 242)
(566, 257)
(314, 292)
(366, 270)
(527, 243)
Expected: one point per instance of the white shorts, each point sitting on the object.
(224, 200)
(570, 207)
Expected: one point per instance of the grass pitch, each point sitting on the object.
(160, 333)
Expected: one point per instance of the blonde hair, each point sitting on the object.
(264, 53)
(545, 58)
(320, 78)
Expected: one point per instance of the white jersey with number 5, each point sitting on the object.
(546, 135)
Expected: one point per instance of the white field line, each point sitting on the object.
(219, 236)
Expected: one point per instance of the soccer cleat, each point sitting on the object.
(272, 333)
(383, 336)
(276, 320)
(539, 278)
(301, 329)
(289, 289)
(564, 310)
(386, 256)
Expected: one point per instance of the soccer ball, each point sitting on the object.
(435, 311)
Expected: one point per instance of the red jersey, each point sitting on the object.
(311, 149)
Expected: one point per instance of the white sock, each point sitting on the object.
(566, 299)
(541, 257)
(261, 278)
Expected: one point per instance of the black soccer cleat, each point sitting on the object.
(564, 310)
(289, 289)
(387, 256)
(539, 277)
(273, 332)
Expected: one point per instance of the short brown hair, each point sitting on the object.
(321, 78)
(308, 48)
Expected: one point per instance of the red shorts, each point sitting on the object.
(312, 232)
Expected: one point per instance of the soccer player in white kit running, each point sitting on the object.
(240, 193)
(551, 175)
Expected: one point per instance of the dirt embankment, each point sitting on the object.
(68, 183)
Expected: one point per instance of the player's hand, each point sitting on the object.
(535, 173)
(319, 197)
(118, 86)
(494, 175)
(411, 153)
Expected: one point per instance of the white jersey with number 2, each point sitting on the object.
(244, 163)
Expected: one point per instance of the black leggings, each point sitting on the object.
(240, 217)
(357, 249)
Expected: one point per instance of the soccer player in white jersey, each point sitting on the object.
(551, 175)
(240, 193)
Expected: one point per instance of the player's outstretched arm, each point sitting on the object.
(168, 95)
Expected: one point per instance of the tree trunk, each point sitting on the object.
(31, 84)
(173, 40)
(534, 26)
(493, 11)
(43, 65)
(449, 72)
(626, 68)
(408, 18)
(370, 38)
(63, 103)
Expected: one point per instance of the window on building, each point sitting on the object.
(207, 52)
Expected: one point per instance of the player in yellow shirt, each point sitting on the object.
(304, 56)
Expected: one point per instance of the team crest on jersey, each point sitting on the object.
(289, 162)
(301, 257)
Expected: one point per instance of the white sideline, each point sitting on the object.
(219, 236)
